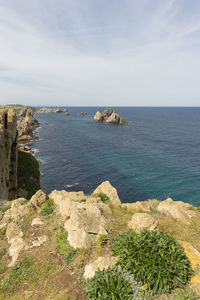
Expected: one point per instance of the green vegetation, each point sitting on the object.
(2, 233)
(112, 283)
(104, 198)
(102, 240)
(2, 253)
(183, 294)
(21, 272)
(3, 209)
(154, 258)
(28, 173)
(63, 246)
(47, 207)
(198, 208)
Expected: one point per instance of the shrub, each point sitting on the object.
(3, 209)
(102, 240)
(104, 198)
(63, 246)
(2, 253)
(154, 258)
(111, 284)
(47, 207)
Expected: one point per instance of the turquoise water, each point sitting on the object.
(157, 157)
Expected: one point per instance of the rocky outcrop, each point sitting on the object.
(107, 189)
(26, 124)
(8, 154)
(140, 221)
(178, 210)
(109, 116)
(50, 110)
(83, 113)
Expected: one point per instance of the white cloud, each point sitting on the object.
(67, 53)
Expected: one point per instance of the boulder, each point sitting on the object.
(86, 222)
(178, 210)
(101, 263)
(67, 113)
(110, 191)
(83, 113)
(142, 221)
(38, 198)
(98, 117)
(139, 206)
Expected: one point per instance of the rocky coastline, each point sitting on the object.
(89, 223)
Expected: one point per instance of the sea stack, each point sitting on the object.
(109, 116)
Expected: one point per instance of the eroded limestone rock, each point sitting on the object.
(107, 189)
(140, 221)
(38, 198)
(101, 263)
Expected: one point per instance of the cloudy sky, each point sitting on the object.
(100, 52)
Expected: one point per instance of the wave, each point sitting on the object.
(71, 185)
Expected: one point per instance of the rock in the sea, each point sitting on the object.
(67, 113)
(107, 189)
(98, 117)
(178, 210)
(140, 221)
(101, 263)
(109, 116)
(122, 121)
(83, 113)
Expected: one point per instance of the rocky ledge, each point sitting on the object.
(50, 110)
(79, 229)
(109, 116)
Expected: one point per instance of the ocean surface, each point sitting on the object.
(157, 157)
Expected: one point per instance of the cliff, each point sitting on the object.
(52, 246)
(8, 154)
(19, 171)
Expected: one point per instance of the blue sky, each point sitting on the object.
(100, 52)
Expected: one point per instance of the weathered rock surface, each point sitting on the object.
(107, 189)
(141, 221)
(101, 263)
(38, 198)
(86, 222)
(14, 236)
(83, 113)
(148, 205)
(178, 210)
(26, 124)
(194, 257)
(109, 116)
(8, 154)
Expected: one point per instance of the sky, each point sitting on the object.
(100, 52)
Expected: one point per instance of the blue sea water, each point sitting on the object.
(157, 157)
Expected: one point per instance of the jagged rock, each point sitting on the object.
(141, 221)
(83, 113)
(139, 206)
(37, 242)
(104, 208)
(85, 224)
(122, 121)
(112, 119)
(17, 211)
(178, 210)
(110, 191)
(14, 236)
(38, 198)
(98, 117)
(109, 116)
(101, 263)
(67, 113)
(131, 123)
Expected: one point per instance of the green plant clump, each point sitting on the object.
(154, 258)
(63, 246)
(198, 208)
(20, 272)
(2, 252)
(3, 209)
(102, 240)
(104, 198)
(47, 207)
(112, 284)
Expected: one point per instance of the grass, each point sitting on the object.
(104, 198)
(47, 207)
(183, 294)
(2, 253)
(63, 246)
(28, 173)
(3, 209)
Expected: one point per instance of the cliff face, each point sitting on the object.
(8, 154)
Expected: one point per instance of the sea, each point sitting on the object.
(156, 157)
